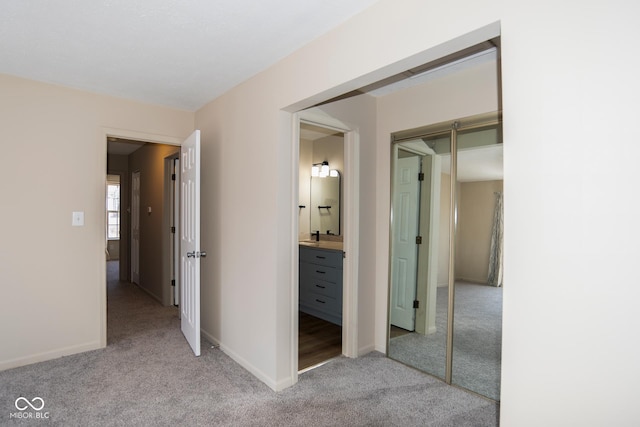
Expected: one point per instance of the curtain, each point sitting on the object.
(495, 256)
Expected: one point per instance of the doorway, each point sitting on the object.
(147, 215)
(320, 226)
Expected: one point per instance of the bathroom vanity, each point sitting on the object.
(321, 280)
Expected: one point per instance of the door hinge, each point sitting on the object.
(173, 230)
(416, 304)
(418, 240)
(421, 176)
(173, 177)
(173, 282)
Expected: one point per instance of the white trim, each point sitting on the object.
(49, 355)
(351, 243)
(274, 385)
(295, 254)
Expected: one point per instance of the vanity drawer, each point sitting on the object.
(321, 303)
(309, 285)
(319, 272)
(321, 257)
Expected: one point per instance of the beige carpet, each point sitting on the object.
(147, 376)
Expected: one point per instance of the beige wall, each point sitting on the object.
(475, 221)
(149, 160)
(331, 149)
(56, 140)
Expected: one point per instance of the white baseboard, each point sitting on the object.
(49, 355)
(209, 337)
(275, 386)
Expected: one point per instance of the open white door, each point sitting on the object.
(404, 248)
(190, 241)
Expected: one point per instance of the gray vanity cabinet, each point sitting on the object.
(321, 283)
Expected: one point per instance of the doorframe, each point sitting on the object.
(104, 134)
(351, 232)
(170, 217)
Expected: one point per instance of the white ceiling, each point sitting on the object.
(178, 53)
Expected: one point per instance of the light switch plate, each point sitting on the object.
(77, 219)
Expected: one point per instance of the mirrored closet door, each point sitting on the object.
(445, 294)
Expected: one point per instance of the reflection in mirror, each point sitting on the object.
(419, 272)
(325, 204)
(477, 327)
(426, 285)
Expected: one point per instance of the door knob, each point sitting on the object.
(203, 254)
(191, 254)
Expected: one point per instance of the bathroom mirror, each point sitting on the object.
(325, 205)
(320, 181)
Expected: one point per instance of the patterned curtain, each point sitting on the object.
(495, 256)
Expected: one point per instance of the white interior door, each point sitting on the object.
(190, 253)
(135, 227)
(404, 248)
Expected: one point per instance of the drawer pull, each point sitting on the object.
(320, 301)
(320, 286)
(321, 272)
(321, 257)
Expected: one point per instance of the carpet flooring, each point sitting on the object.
(148, 376)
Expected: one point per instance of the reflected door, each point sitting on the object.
(424, 347)
(404, 250)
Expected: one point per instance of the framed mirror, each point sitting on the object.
(321, 165)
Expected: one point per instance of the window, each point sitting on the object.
(113, 209)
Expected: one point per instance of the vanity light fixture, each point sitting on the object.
(320, 169)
